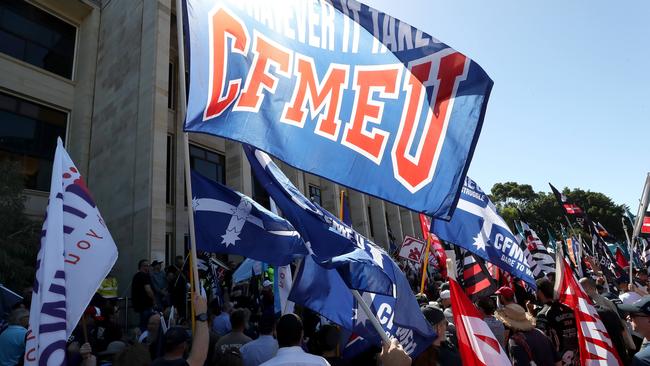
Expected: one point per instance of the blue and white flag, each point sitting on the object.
(323, 291)
(332, 243)
(476, 226)
(76, 254)
(226, 221)
(307, 81)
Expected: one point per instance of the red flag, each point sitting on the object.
(425, 225)
(437, 251)
(620, 258)
(477, 344)
(596, 346)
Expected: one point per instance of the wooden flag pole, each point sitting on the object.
(425, 264)
(182, 107)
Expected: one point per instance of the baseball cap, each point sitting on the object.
(267, 283)
(156, 262)
(176, 335)
(445, 295)
(641, 306)
(506, 292)
(432, 314)
(421, 299)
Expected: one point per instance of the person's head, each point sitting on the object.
(143, 266)
(153, 324)
(514, 317)
(289, 330)
(437, 320)
(226, 307)
(445, 299)
(238, 320)
(639, 314)
(506, 295)
(328, 339)
(642, 275)
(267, 324)
(179, 261)
(134, 355)
(19, 316)
(172, 272)
(422, 299)
(545, 291)
(176, 341)
(156, 265)
(486, 306)
(589, 286)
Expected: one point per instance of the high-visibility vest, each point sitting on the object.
(108, 288)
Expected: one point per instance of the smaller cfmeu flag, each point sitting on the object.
(76, 254)
(425, 225)
(477, 344)
(229, 222)
(596, 346)
(474, 276)
(476, 226)
(332, 243)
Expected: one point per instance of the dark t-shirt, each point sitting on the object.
(642, 358)
(532, 345)
(558, 323)
(141, 301)
(162, 362)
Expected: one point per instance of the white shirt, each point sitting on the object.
(629, 298)
(295, 356)
(260, 350)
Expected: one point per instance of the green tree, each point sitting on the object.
(19, 235)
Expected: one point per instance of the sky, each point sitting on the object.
(571, 97)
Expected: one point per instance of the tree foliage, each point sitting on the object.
(541, 210)
(19, 235)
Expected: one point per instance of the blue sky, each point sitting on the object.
(571, 96)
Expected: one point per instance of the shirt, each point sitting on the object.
(295, 356)
(522, 346)
(108, 288)
(642, 358)
(497, 329)
(260, 350)
(558, 323)
(162, 362)
(221, 324)
(232, 339)
(141, 301)
(629, 298)
(12, 345)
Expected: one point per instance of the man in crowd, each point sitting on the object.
(290, 333)
(442, 351)
(12, 339)
(506, 296)
(159, 284)
(639, 315)
(558, 323)
(142, 293)
(221, 323)
(236, 338)
(176, 340)
(263, 348)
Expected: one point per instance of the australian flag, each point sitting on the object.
(229, 222)
(476, 226)
(332, 243)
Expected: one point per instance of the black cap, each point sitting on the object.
(422, 299)
(641, 306)
(176, 335)
(432, 314)
(156, 262)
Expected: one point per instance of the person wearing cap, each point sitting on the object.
(177, 339)
(526, 345)
(558, 322)
(159, 283)
(290, 336)
(108, 356)
(441, 351)
(505, 296)
(626, 291)
(638, 314)
(236, 338)
(445, 299)
(142, 295)
(264, 347)
(487, 308)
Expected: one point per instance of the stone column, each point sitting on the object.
(359, 212)
(407, 222)
(378, 219)
(395, 222)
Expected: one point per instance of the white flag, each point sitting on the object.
(283, 280)
(76, 254)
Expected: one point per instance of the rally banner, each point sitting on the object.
(76, 254)
(476, 226)
(340, 90)
(412, 249)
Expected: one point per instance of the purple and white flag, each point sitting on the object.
(76, 254)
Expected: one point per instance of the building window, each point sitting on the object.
(171, 176)
(315, 195)
(37, 37)
(208, 163)
(28, 133)
(170, 248)
(171, 87)
(372, 229)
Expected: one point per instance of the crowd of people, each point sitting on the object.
(239, 326)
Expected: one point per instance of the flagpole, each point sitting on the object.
(182, 107)
(425, 264)
(371, 316)
(630, 248)
(643, 207)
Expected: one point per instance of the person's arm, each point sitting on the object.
(149, 291)
(88, 359)
(392, 354)
(201, 340)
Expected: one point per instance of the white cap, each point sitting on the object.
(445, 295)
(267, 283)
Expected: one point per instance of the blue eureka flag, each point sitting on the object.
(332, 243)
(476, 226)
(310, 81)
(228, 222)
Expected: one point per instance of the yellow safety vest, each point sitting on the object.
(108, 288)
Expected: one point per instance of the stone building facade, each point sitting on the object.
(103, 75)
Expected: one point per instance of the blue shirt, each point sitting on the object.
(221, 324)
(642, 358)
(259, 351)
(12, 345)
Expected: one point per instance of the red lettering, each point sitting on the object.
(368, 80)
(266, 52)
(29, 356)
(83, 245)
(415, 171)
(328, 92)
(94, 234)
(76, 258)
(223, 25)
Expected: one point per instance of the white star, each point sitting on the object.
(479, 242)
(230, 237)
(195, 203)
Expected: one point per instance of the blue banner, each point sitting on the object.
(340, 90)
(229, 222)
(476, 226)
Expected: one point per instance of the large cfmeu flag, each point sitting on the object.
(477, 344)
(596, 346)
(340, 90)
(476, 226)
(229, 222)
(332, 243)
(76, 254)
